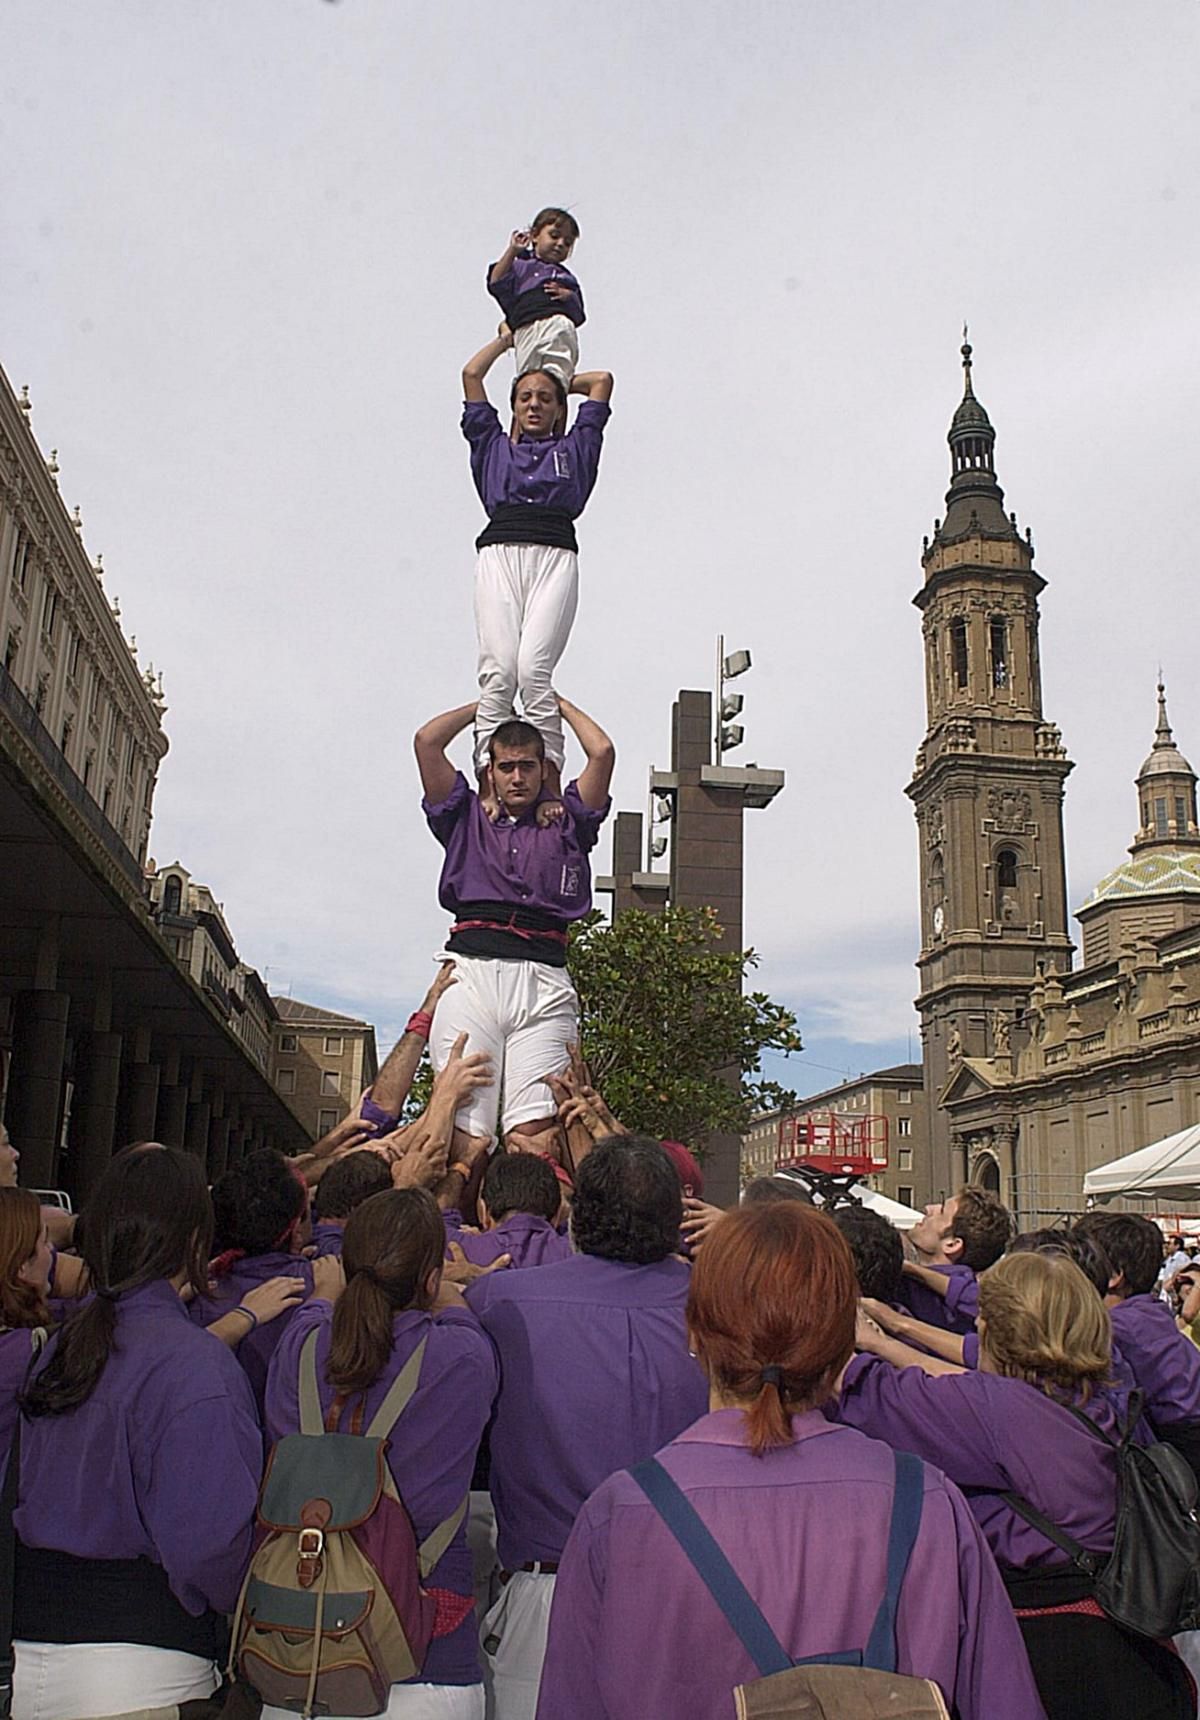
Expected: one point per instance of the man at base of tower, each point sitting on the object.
(514, 887)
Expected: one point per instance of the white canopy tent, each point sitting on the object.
(1168, 1168)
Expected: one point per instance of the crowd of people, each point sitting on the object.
(565, 1311)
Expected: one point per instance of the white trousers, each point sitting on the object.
(514, 1645)
(418, 1702)
(524, 1015)
(550, 344)
(525, 600)
(90, 1680)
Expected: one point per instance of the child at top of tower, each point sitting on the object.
(540, 297)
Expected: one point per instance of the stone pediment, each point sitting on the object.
(973, 1077)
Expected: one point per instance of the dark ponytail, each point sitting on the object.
(149, 1219)
(392, 1243)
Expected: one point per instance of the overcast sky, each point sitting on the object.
(242, 262)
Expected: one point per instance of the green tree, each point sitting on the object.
(671, 1039)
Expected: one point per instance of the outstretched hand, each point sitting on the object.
(550, 812)
(459, 1270)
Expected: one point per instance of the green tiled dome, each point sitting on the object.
(1161, 872)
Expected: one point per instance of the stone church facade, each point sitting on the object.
(1036, 1070)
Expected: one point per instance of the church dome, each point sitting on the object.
(1159, 872)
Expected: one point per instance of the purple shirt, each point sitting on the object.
(255, 1350)
(995, 1435)
(539, 471)
(527, 273)
(594, 1375)
(1165, 1364)
(328, 1237)
(431, 1451)
(633, 1629)
(16, 1353)
(530, 1240)
(514, 860)
(162, 1461)
(956, 1311)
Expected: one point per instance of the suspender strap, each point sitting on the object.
(311, 1419)
(908, 1501)
(399, 1392)
(437, 1540)
(740, 1609)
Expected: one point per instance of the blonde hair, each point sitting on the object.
(1041, 1321)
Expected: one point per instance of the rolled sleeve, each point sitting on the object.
(585, 819)
(442, 816)
(504, 291)
(481, 423)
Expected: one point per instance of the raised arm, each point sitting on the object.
(475, 369)
(596, 384)
(596, 775)
(516, 244)
(391, 1086)
(430, 743)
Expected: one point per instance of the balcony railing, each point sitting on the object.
(21, 712)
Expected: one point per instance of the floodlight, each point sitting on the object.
(658, 847)
(735, 664)
(664, 809)
(731, 706)
(731, 737)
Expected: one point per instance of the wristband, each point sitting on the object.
(241, 1308)
(462, 1170)
(420, 1022)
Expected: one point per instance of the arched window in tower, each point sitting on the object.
(172, 892)
(1006, 869)
(958, 651)
(1007, 893)
(1161, 827)
(998, 639)
(935, 668)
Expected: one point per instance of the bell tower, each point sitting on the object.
(987, 786)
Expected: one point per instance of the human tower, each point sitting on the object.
(516, 873)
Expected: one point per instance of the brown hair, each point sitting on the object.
(983, 1225)
(1041, 1321)
(560, 395)
(773, 1293)
(392, 1243)
(546, 217)
(20, 1231)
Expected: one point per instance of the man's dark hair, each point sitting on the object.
(256, 1202)
(984, 1226)
(516, 733)
(348, 1182)
(1077, 1245)
(1133, 1245)
(877, 1249)
(628, 1203)
(762, 1190)
(520, 1182)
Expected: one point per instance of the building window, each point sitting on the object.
(11, 647)
(287, 1042)
(68, 725)
(172, 894)
(333, 1045)
(1006, 869)
(904, 1195)
(331, 1084)
(73, 656)
(998, 636)
(20, 566)
(904, 1096)
(1161, 827)
(958, 651)
(89, 761)
(49, 611)
(904, 1159)
(904, 1125)
(1180, 816)
(1145, 815)
(326, 1120)
(285, 1080)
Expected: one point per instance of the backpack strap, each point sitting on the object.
(399, 1393)
(908, 1502)
(740, 1609)
(1089, 1563)
(311, 1419)
(437, 1540)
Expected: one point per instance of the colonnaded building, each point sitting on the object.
(1034, 1070)
(124, 1011)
